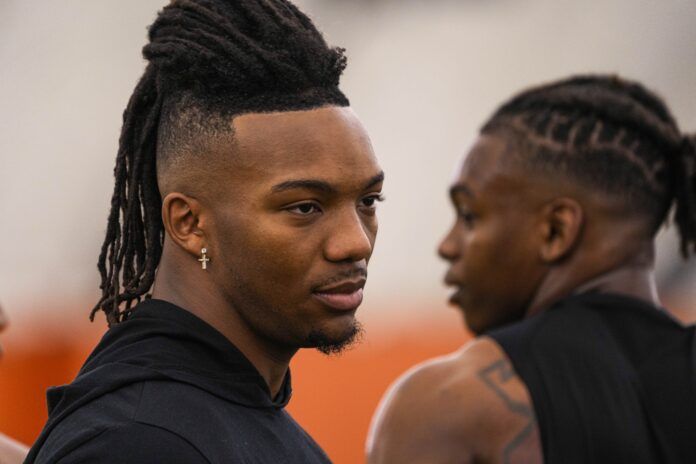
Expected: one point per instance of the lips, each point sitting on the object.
(342, 296)
(455, 298)
(452, 281)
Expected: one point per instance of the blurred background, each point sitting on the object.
(422, 75)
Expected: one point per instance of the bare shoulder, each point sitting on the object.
(469, 404)
(11, 451)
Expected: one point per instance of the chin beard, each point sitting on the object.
(332, 345)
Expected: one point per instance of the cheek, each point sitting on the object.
(498, 253)
(514, 262)
(371, 224)
(481, 251)
(262, 253)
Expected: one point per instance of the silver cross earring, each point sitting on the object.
(204, 259)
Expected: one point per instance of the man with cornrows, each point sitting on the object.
(242, 221)
(551, 259)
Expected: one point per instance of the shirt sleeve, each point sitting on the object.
(135, 443)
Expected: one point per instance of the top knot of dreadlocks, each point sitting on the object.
(612, 135)
(244, 55)
(216, 58)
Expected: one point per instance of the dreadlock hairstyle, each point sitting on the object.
(611, 135)
(214, 59)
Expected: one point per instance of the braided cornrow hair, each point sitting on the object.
(218, 58)
(610, 134)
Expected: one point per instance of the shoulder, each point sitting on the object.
(436, 386)
(145, 443)
(569, 326)
(11, 451)
(178, 406)
(441, 382)
(95, 431)
(467, 404)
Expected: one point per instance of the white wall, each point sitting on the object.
(422, 75)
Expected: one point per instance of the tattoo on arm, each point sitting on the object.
(496, 376)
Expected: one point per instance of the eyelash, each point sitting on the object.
(296, 208)
(467, 217)
(376, 198)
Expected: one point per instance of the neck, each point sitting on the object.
(635, 282)
(176, 284)
(635, 279)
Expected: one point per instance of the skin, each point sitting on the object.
(3, 325)
(521, 241)
(286, 211)
(11, 451)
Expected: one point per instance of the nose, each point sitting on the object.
(449, 247)
(351, 239)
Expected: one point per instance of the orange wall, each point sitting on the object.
(334, 397)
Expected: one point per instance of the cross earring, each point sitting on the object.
(204, 259)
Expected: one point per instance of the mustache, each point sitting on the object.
(346, 274)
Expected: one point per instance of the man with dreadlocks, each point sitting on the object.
(247, 183)
(551, 256)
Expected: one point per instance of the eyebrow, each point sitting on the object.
(319, 185)
(307, 184)
(461, 188)
(375, 180)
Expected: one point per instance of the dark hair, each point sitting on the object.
(215, 59)
(609, 134)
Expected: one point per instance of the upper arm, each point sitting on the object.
(415, 422)
(135, 442)
(465, 407)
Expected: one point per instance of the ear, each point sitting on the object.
(181, 215)
(563, 220)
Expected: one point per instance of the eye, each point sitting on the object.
(467, 217)
(304, 209)
(370, 201)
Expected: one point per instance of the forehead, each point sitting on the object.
(492, 173)
(486, 168)
(328, 142)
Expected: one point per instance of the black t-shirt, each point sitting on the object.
(612, 379)
(165, 387)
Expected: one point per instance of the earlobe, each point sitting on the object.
(562, 225)
(181, 215)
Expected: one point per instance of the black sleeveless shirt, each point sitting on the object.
(612, 379)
